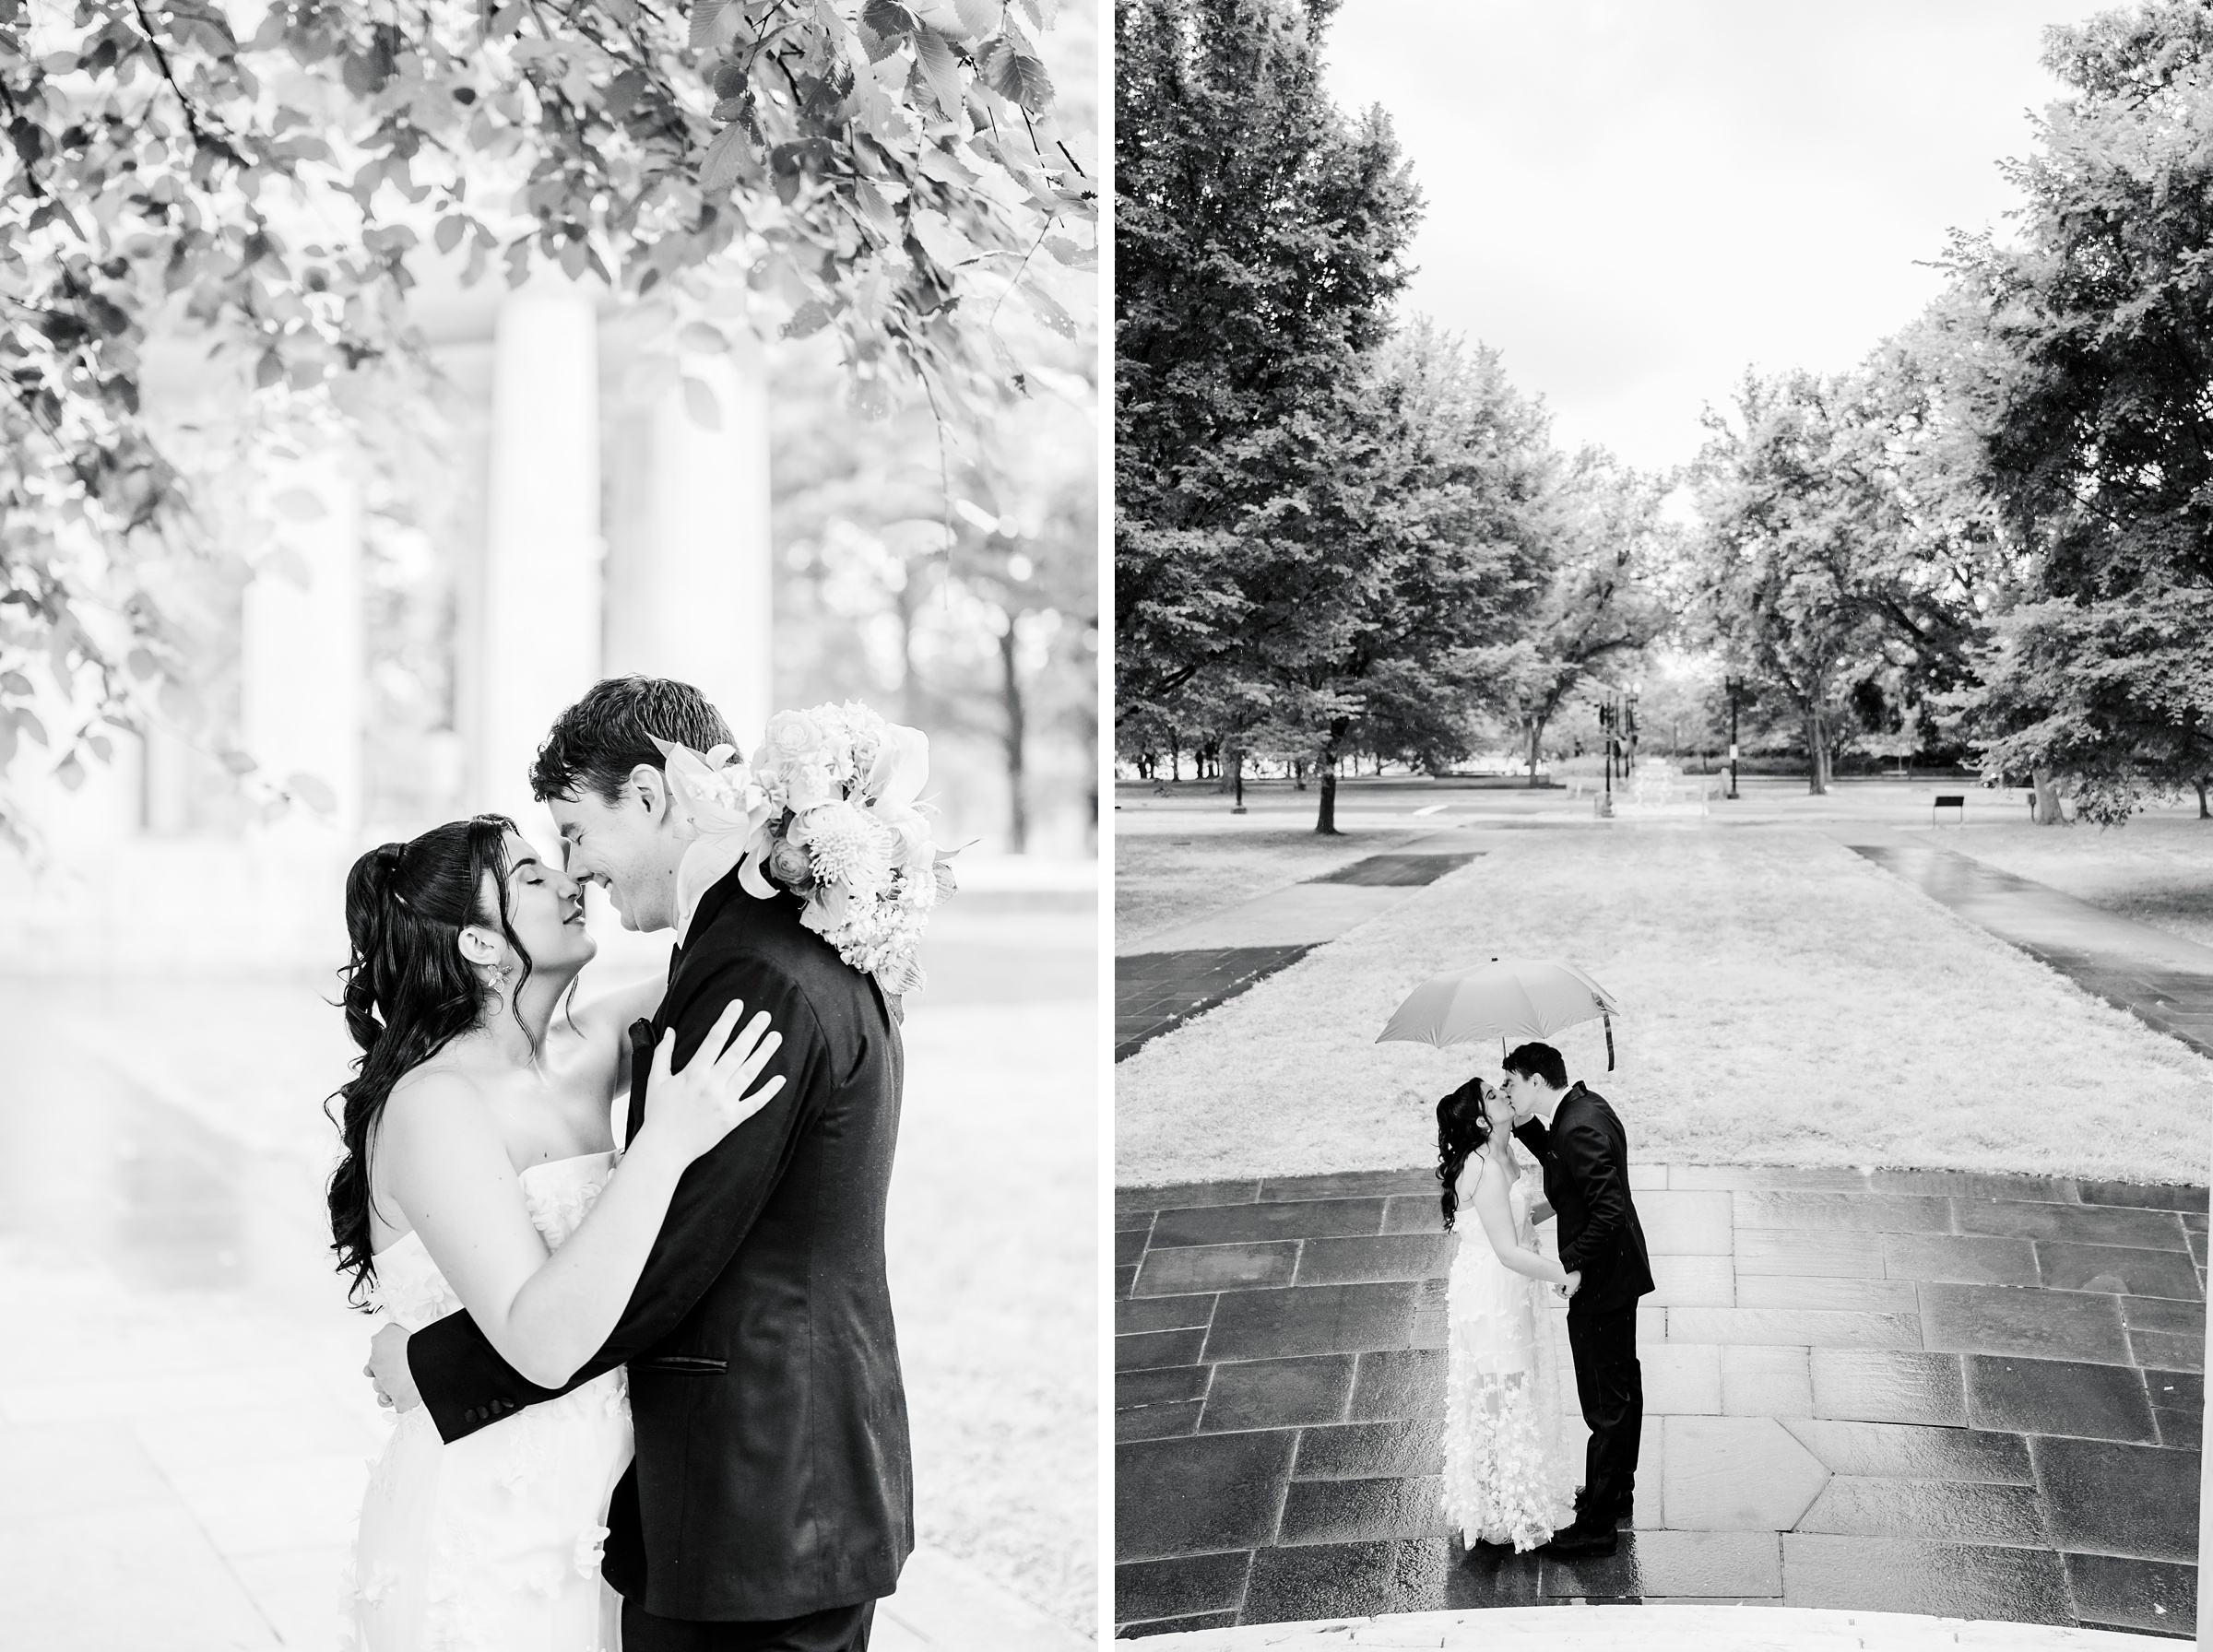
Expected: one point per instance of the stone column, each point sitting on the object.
(301, 694)
(690, 594)
(538, 604)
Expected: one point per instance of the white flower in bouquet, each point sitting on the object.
(828, 811)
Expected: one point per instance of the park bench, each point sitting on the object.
(1953, 801)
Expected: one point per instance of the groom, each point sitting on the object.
(1585, 1153)
(770, 1504)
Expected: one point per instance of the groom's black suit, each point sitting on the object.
(1586, 1159)
(771, 1482)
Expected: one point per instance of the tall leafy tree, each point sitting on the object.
(1799, 526)
(1259, 245)
(2090, 335)
(1437, 503)
(1608, 553)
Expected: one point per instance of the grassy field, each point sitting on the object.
(2158, 869)
(1163, 881)
(1790, 1004)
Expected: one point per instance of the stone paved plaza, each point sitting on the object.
(1971, 1396)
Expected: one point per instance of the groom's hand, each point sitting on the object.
(387, 1368)
(1575, 1282)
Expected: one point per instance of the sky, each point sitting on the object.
(1634, 200)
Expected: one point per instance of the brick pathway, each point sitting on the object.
(2162, 979)
(1973, 1396)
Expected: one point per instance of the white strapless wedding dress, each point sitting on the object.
(1509, 1478)
(492, 1544)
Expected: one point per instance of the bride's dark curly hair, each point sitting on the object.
(408, 992)
(1461, 1128)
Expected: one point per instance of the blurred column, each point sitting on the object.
(540, 602)
(301, 694)
(694, 595)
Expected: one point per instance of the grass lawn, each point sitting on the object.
(1790, 1004)
(1160, 881)
(2157, 870)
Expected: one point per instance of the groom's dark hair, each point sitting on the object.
(1537, 1061)
(597, 742)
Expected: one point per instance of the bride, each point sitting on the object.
(478, 1174)
(1508, 1478)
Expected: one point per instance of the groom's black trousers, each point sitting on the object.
(1610, 1382)
(840, 1629)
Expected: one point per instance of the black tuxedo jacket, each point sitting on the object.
(773, 1477)
(1586, 1161)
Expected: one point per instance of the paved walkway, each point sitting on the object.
(1932, 1392)
(184, 1426)
(2162, 979)
(1179, 974)
(1653, 1629)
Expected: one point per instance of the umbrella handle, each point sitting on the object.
(1609, 1023)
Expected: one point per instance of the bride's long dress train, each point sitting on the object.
(1508, 1476)
(492, 1544)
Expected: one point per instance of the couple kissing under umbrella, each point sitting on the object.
(1508, 1478)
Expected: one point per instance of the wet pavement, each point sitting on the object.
(1965, 1395)
(184, 1425)
(2163, 980)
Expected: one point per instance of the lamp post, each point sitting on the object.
(1733, 687)
(1629, 724)
(1609, 718)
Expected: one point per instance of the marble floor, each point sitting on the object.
(1962, 1394)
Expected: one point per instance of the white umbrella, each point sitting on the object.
(1504, 998)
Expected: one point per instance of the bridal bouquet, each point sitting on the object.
(826, 809)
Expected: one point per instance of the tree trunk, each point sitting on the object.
(2047, 797)
(1298, 775)
(1536, 734)
(1237, 775)
(1010, 692)
(2202, 812)
(1174, 761)
(1325, 823)
(1816, 750)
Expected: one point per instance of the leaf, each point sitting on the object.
(71, 773)
(1049, 310)
(1016, 75)
(238, 763)
(451, 228)
(702, 340)
(312, 792)
(15, 682)
(704, 16)
(807, 320)
(297, 504)
(26, 720)
(7, 744)
(888, 18)
(699, 401)
(979, 17)
(940, 69)
(180, 703)
(724, 163)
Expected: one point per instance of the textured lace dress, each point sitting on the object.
(1509, 1478)
(492, 1544)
